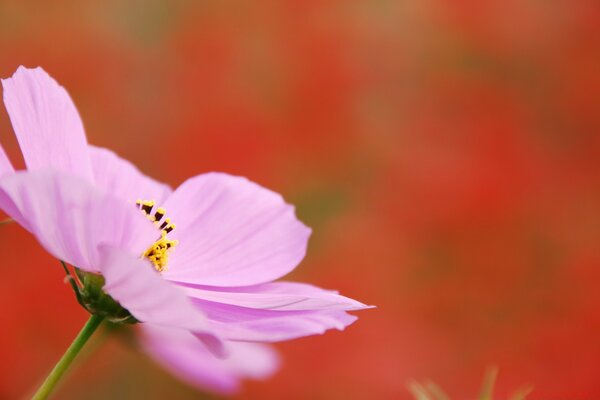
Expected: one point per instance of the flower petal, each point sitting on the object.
(276, 296)
(232, 232)
(187, 358)
(70, 217)
(46, 123)
(259, 325)
(273, 311)
(5, 164)
(149, 298)
(122, 179)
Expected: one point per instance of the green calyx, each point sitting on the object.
(92, 297)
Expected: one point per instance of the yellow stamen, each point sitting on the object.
(147, 206)
(158, 253)
(159, 213)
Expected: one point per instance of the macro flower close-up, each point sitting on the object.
(299, 200)
(200, 275)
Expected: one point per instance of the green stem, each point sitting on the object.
(61, 367)
(7, 221)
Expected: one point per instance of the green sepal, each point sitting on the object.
(94, 299)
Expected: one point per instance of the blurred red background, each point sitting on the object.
(446, 154)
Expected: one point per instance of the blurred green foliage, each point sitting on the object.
(428, 390)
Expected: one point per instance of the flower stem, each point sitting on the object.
(61, 367)
(6, 221)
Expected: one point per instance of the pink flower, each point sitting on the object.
(182, 354)
(196, 262)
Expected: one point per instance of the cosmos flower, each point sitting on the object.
(197, 265)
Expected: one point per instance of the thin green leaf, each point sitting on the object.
(487, 390)
(522, 393)
(71, 280)
(418, 391)
(436, 391)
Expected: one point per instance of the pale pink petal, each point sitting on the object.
(5, 164)
(122, 179)
(279, 296)
(70, 217)
(259, 325)
(46, 123)
(187, 358)
(232, 232)
(136, 285)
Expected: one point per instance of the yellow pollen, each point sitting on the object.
(158, 253)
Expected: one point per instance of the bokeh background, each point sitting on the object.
(446, 153)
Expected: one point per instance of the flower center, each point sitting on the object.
(158, 253)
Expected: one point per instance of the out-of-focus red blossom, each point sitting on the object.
(446, 154)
